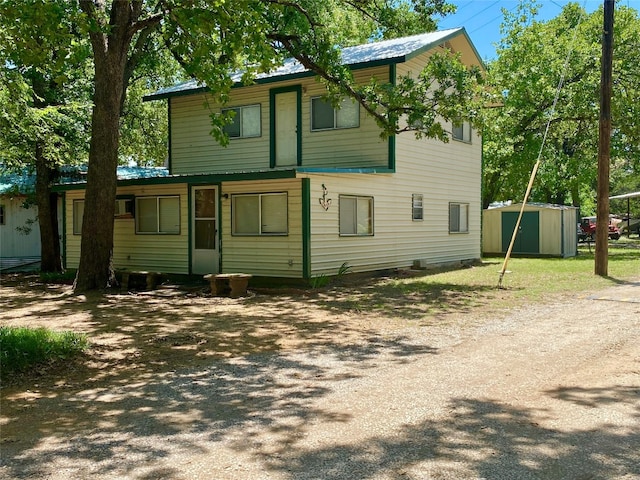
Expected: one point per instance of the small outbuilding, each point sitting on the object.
(546, 230)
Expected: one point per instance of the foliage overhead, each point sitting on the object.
(533, 58)
(44, 84)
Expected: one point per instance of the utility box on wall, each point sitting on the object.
(545, 230)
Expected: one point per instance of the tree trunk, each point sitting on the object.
(47, 202)
(111, 48)
(96, 248)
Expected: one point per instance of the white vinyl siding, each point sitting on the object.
(20, 232)
(259, 214)
(445, 172)
(194, 150)
(359, 147)
(162, 253)
(264, 255)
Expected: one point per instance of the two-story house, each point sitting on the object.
(302, 187)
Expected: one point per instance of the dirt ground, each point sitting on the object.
(345, 383)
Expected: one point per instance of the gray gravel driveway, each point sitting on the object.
(546, 392)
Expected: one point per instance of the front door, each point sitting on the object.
(204, 230)
(286, 129)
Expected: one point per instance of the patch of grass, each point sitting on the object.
(529, 280)
(67, 277)
(22, 349)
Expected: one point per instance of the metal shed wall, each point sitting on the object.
(557, 229)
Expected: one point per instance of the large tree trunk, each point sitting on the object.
(96, 247)
(47, 202)
(113, 67)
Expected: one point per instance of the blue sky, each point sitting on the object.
(482, 18)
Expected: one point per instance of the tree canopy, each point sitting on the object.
(533, 58)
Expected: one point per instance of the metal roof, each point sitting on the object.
(25, 182)
(384, 52)
(551, 206)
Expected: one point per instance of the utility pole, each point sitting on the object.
(604, 144)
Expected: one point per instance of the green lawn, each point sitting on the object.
(23, 349)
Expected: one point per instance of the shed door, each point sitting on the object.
(204, 230)
(528, 238)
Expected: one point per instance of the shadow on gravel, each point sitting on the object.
(188, 371)
(163, 367)
(122, 429)
(263, 406)
(483, 440)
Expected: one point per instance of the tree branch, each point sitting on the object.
(295, 6)
(309, 64)
(98, 39)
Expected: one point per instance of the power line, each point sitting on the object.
(492, 20)
(475, 14)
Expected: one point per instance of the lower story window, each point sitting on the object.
(458, 217)
(158, 215)
(356, 215)
(259, 214)
(78, 212)
(2, 214)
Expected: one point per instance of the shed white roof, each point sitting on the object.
(626, 195)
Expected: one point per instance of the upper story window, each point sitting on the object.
(356, 215)
(158, 215)
(245, 122)
(417, 207)
(461, 132)
(325, 117)
(259, 214)
(2, 215)
(458, 218)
